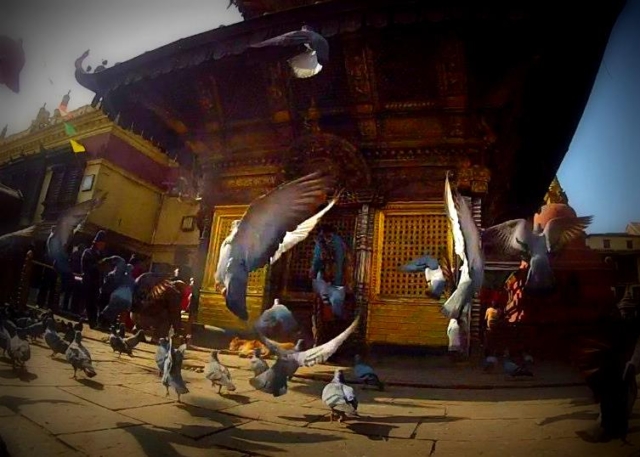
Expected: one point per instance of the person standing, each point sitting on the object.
(91, 276)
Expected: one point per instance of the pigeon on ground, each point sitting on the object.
(218, 374)
(161, 354)
(118, 344)
(79, 357)
(258, 365)
(53, 340)
(19, 350)
(432, 271)
(274, 380)
(366, 374)
(134, 340)
(518, 236)
(340, 397)
(172, 370)
(513, 369)
(273, 224)
(311, 61)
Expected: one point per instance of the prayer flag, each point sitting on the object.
(69, 129)
(77, 147)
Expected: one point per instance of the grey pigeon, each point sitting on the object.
(134, 340)
(339, 397)
(161, 354)
(172, 370)
(467, 246)
(432, 272)
(366, 374)
(518, 236)
(66, 225)
(261, 235)
(19, 350)
(79, 357)
(53, 340)
(311, 61)
(218, 374)
(258, 365)
(274, 380)
(118, 344)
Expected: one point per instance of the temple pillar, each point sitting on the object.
(365, 221)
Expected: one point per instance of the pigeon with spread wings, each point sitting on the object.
(273, 224)
(432, 272)
(274, 380)
(466, 239)
(518, 236)
(310, 62)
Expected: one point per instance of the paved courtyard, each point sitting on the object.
(123, 411)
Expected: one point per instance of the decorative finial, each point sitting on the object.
(556, 194)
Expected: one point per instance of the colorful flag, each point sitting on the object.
(70, 129)
(63, 107)
(77, 147)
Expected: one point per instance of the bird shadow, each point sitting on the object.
(373, 431)
(305, 418)
(578, 415)
(21, 373)
(91, 383)
(14, 403)
(240, 399)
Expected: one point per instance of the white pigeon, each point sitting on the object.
(272, 225)
(218, 374)
(340, 397)
(517, 236)
(466, 239)
(274, 380)
(310, 62)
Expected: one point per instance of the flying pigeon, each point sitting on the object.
(79, 357)
(276, 320)
(432, 271)
(66, 225)
(467, 246)
(340, 397)
(366, 374)
(311, 61)
(274, 380)
(12, 62)
(258, 365)
(218, 374)
(518, 236)
(272, 224)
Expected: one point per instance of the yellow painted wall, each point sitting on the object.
(132, 206)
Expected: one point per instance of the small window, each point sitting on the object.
(606, 244)
(629, 244)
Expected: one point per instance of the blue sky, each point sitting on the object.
(600, 173)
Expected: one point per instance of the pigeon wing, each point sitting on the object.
(301, 232)
(509, 235)
(16, 240)
(561, 230)
(472, 242)
(268, 219)
(452, 213)
(418, 265)
(70, 219)
(297, 37)
(321, 354)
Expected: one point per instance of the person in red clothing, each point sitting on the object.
(183, 273)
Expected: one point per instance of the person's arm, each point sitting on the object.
(316, 263)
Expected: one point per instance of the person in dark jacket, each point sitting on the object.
(70, 291)
(91, 276)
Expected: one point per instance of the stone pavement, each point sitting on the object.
(123, 411)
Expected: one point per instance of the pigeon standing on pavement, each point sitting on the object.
(79, 357)
(118, 344)
(366, 374)
(274, 380)
(19, 350)
(258, 365)
(53, 340)
(311, 61)
(340, 397)
(218, 374)
(172, 370)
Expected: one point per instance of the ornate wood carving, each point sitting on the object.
(440, 156)
(277, 88)
(322, 151)
(365, 223)
(452, 78)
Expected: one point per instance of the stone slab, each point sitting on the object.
(511, 410)
(116, 397)
(25, 439)
(285, 413)
(208, 398)
(141, 441)
(263, 439)
(455, 429)
(60, 412)
(184, 419)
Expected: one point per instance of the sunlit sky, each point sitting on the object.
(600, 173)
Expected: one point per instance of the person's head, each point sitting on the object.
(326, 231)
(99, 241)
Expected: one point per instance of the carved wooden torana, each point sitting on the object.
(413, 89)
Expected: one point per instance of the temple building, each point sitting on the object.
(142, 214)
(412, 89)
